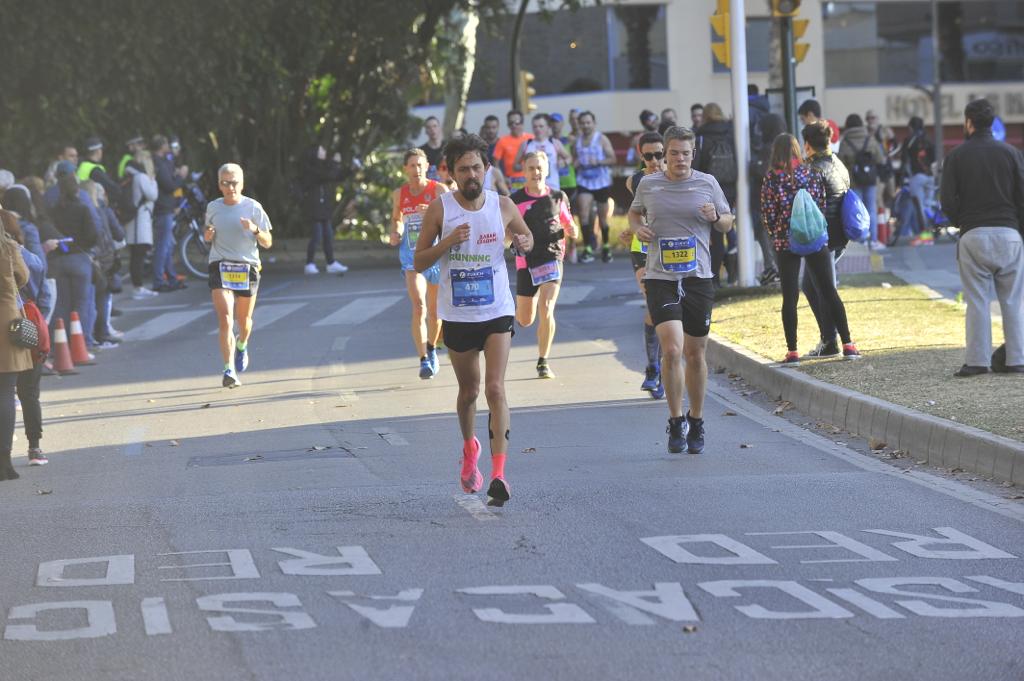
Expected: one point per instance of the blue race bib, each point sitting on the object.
(472, 288)
(549, 271)
(234, 276)
(678, 255)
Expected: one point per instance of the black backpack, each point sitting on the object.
(864, 172)
(720, 159)
(124, 208)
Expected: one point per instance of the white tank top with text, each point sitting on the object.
(474, 283)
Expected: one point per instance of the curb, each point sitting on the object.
(939, 442)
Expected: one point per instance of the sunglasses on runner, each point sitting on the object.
(651, 155)
(229, 183)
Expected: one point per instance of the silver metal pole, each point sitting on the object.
(937, 87)
(741, 132)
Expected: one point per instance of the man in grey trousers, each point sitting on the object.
(983, 194)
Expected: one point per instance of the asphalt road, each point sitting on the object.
(310, 524)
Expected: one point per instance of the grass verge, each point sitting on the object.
(911, 345)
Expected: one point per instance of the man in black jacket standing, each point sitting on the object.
(168, 181)
(983, 195)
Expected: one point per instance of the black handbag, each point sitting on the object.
(21, 331)
(24, 333)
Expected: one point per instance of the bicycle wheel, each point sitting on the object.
(195, 255)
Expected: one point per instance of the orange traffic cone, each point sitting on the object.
(62, 363)
(79, 353)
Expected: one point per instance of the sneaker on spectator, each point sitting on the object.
(850, 351)
(104, 344)
(336, 268)
(141, 293)
(877, 246)
(311, 268)
(36, 457)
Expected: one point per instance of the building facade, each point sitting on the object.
(621, 57)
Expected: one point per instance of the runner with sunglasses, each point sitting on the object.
(236, 226)
(651, 149)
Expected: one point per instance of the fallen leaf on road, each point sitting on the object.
(783, 407)
(317, 448)
(44, 491)
(253, 458)
(876, 444)
(956, 470)
(151, 401)
(729, 413)
(174, 443)
(921, 462)
(836, 431)
(1015, 496)
(1007, 484)
(529, 450)
(205, 406)
(930, 403)
(690, 629)
(746, 446)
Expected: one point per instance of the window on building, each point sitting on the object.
(890, 43)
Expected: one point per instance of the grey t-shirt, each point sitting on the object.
(673, 214)
(232, 241)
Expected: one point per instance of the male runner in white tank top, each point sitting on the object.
(472, 227)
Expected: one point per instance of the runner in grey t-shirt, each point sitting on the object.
(236, 226)
(682, 206)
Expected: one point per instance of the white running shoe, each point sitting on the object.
(311, 268)
(337, 268)
(141, 293)
(114, 333)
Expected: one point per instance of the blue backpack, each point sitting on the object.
(856, 218)
(808, 231)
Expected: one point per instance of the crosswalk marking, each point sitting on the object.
(571, 295)
(359, 311)
(268, 313)
(165, 323)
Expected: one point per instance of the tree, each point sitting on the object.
(638, 21)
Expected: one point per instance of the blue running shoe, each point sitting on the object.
(659, 390)
(435, 364)
(695, 435)
(651, 378)
(230, 379)
(426, 371)
(676, 434)
(241, 360)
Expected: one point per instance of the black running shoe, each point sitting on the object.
(695, 435)
(824, 349)
(606, 254)
(498, 493)
(677, 431)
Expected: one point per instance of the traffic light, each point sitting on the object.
(526, 91)
(785, 8)
(720, 25)
(800, 49)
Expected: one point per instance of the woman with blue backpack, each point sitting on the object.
(793, 199)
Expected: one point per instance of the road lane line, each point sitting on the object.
(359, 311)
(164, 324)
(134, 440)
(950, 488)
(571, 295)
(155, 617)
(472, 505)
(268, 313)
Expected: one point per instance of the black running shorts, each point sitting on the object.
(638, 259)
(600, 195)
(215, 282)
(466, 336)
(692, 307)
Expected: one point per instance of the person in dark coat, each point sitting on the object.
(320, 177)
(716, 156)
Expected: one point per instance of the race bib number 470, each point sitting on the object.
(678, 255)
(472, 288)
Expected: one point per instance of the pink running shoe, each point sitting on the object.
(470, 477)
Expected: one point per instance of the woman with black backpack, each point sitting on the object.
(861, 153)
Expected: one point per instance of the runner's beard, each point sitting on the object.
(471, 190)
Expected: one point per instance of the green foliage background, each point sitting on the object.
(251, 81)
